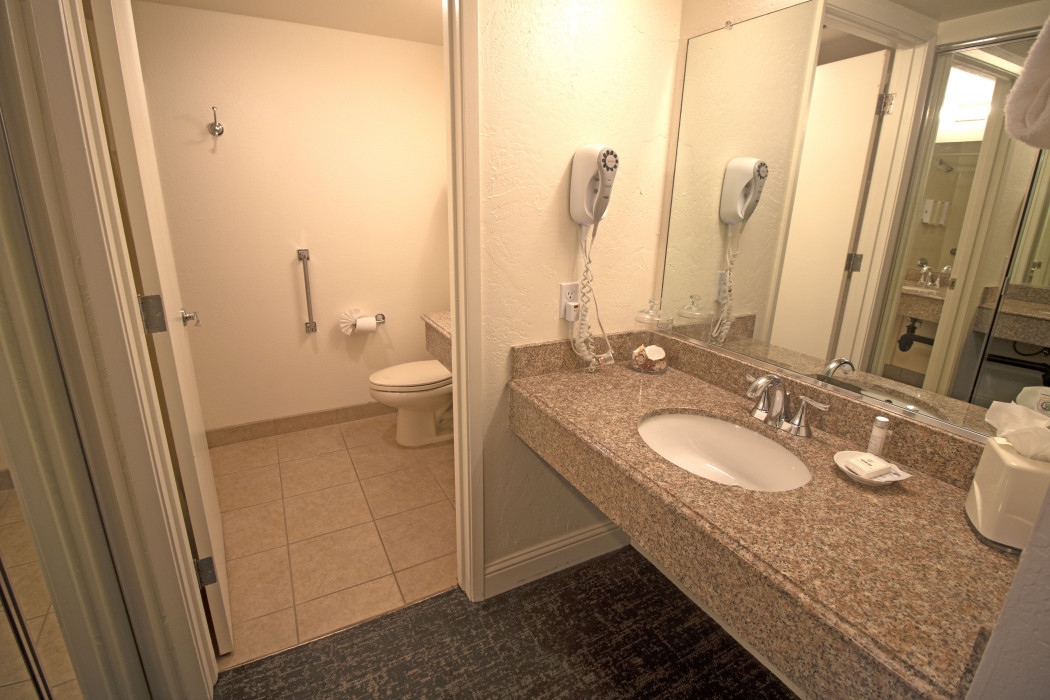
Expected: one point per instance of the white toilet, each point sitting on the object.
(422, 394)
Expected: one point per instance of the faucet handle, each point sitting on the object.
(768, 409)
(799, 425)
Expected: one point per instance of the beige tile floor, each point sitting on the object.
(328, 527)
(34, 602)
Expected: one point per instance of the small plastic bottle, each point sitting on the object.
(879, 431)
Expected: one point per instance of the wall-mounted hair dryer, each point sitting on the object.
(590, 183)
(741, 188)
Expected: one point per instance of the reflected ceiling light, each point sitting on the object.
(967, 103)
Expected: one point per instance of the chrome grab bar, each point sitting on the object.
(311, 326)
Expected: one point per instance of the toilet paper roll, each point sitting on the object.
(366, 324)
(348, 321)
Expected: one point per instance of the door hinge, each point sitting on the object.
(206, 572)
(885, 103)
(152, 309)
(853, 261)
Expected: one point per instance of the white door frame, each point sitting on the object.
(460, 24)
(41, 440)
(87, 278)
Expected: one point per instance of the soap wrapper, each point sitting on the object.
(1024, 428)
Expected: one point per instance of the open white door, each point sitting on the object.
(840, 131)
(131, 139)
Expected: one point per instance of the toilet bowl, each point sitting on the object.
(422, 394)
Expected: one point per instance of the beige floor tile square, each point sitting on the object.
(426, 579)
(368, 430)
(52, 653)
(392, 493)
(346, 607)
(338, 560)
(248, 488)
(67, 691)
(19, 691)
(419, 535)
(315, 473)
(254, 639)
(444, 472)
(250, 454)
(27, 580)
(12, 668)
(260, 584)
(16, 544)
(309, 443)
(253, 529)
(378, 458)
(319, 512)
(11, 512)
(438, 457)
(34, 626)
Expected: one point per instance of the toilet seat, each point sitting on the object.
(411, 377)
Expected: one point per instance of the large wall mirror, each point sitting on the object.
(939, 293)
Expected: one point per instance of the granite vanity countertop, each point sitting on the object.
(923, 291)
(851, 590)
(923, 303)
(438, 328)
(1019, 320)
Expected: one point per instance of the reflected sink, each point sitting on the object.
(723, 452)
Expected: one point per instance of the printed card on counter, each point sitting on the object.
(843, 459)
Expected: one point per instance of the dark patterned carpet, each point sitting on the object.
(612, 627)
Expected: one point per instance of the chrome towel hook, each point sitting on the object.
(215, 127)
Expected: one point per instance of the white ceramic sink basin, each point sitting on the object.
(723, 452)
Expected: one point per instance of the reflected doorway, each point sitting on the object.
(966, 204)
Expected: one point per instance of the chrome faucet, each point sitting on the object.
(925, 275)
(770, 395)
(842, 362)
(772, 404)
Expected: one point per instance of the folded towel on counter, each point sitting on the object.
(1028, 106)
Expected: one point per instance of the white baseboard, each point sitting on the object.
(554, 555)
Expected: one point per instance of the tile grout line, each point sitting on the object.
(376, 527)
(288, 551)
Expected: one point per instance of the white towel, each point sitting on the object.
(1028, 106)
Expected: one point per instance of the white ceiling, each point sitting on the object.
(942, 10)
(412, 20)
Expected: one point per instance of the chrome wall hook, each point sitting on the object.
(215, 127)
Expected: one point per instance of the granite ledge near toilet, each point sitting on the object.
(438, 329)
(849, 591)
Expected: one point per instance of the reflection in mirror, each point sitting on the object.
(737, 103)
(803, 294)
(967, 197)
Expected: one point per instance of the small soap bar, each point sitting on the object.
(868, 466)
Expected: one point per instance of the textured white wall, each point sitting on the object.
(555, 75)
(335, 142)
(738, 102)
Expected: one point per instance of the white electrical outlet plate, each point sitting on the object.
(570, 294)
